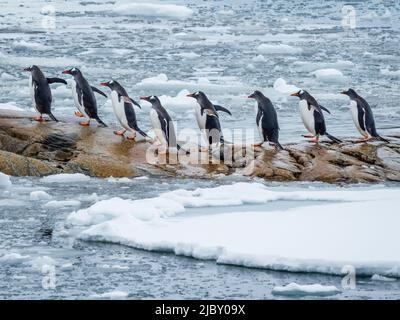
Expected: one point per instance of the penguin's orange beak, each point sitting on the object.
(296, 94)
(342, 92)
(27, 69)
(66, 72)
(190, 95)
(104, 84)
(145, 98)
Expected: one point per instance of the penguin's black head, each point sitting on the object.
(256, 95)
(197, 95)
(31, 68)
(301, 94)
(151, 99)
(112, 84)
(351, 93)
(73, 71)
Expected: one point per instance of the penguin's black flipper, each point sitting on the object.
(56, 80)
(52, 117)
(220, 108)
(99, 91)
(333, 138)
(278, 146)
(100, 122)
(325, 109)
(130, 100)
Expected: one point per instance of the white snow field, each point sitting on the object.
(358, 228)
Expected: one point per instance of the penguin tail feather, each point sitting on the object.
(52, 117)
(180, 148)
(144, 134)
(333, 138)
(99, 121)
(382, 139)
(278, 146)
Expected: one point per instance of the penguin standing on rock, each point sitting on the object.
(362, 116)
(84, 98)
(123, 109)
(312, 116)
(208, 119)
(267, 120)
(41, 93)
(162, 125)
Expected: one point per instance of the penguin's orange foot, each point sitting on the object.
(257, 144)
(315, 140)
(365, 139)
(78, 114)
(120, 132)
(131, 138)
(39, 119)
(84, 123)
(309, 136)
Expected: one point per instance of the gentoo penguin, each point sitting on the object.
(84, 98)
(40, 92)
(123, 109)
(362, 116)
(312, 116)
(266, 120)
(162, 124)
(207, 118)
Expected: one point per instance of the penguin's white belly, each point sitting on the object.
(354, 113)
(80, 107)
(307, 116)
(32, 91)
(260, 129)
(155, 123)
(119, 111)
(201, 121)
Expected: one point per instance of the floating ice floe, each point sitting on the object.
(294, 289)
(307, 238)
(39, 195)
(6, 59)
(111, 295)
(278, 49)
(392, 73)
(377, 277)
(65, 178)
(161, 81)
(329, 75)
(281, 86)
(22, 44)
(10, 106)
(159, 10)
(5, 181)
(61, 204)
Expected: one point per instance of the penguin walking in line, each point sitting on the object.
(312, 116)
(40, 92)
(208, 119)
(362, 116)
(123, 109)
(84, 98)
(162, 125)
(266, 120)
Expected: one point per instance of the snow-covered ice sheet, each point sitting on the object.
(356, 228)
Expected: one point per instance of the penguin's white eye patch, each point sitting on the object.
(301, 91)
(73, 69)
(152, 97)
(112, 81)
